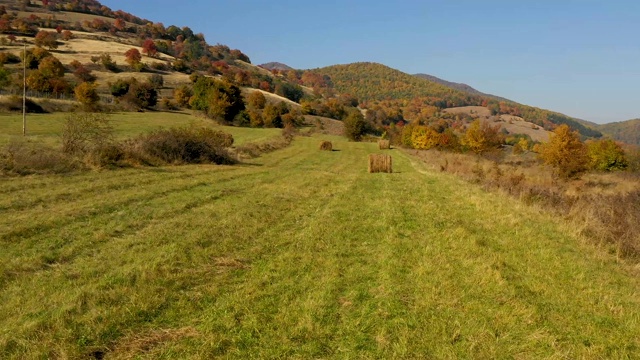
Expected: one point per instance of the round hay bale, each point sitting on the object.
(380, 163)
(384, 144)
(326, 146)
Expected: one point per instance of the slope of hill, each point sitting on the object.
(458, 86)
(372, 81)
(625, 131)
(276, 66)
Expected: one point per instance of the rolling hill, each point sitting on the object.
(458, 86)
(377, 82)
(625, 131)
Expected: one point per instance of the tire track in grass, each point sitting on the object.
(84, 212)
(90, 188)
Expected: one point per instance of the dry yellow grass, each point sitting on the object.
(380, 163)
(513, 124)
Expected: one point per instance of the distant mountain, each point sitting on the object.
(372, 81)
(276, 66)
(625, 131)
(458, 86)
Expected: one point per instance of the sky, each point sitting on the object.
(580, 58)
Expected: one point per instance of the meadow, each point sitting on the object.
(299, 253)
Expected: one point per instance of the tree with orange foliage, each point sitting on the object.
(134, 58)
(149, 48)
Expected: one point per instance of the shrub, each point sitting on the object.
(157, 81)
(181, 146)
(24, 158)
(606, 155)
(182, 95)
(85, 132)
(354, 126)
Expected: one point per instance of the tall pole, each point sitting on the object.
(24, 91)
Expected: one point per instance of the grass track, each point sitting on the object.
(47, 128)
(300, 254)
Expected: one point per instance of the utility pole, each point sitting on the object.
(24, 90)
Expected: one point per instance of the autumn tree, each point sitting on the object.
(182, 95)
(481, 137)
(256, 100)
(133, 57)
(219, 100)
(51, 67)
(565, 152)
(119, 24)
(606, 155)
(424, 138)
(149, 48)
(87, 95)
(46, 39)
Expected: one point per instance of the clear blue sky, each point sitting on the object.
(581, 58)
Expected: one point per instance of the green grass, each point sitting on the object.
(299, 254)
(47, 128)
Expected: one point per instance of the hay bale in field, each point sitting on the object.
(326, 145)
(380, 163)
(384, 144)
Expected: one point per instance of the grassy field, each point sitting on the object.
(47, 128)
(299, 254)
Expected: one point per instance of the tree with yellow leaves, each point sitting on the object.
(565, 152)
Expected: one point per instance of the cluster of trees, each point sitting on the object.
(222, 101)
(135, 94)
(262, 113)
(570, 157)
(478, 137)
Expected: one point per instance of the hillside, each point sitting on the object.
(376, 82)
(372, 81)
(458, 86)
(625, 131)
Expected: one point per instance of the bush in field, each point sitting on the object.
(606, 155)
(219, 100)
(142, 95)
(85, 132)
(565, 152)
(25, 158)
(180, 146)
(355, 126)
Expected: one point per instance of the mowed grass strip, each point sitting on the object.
(47, 128)
(303, 254)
